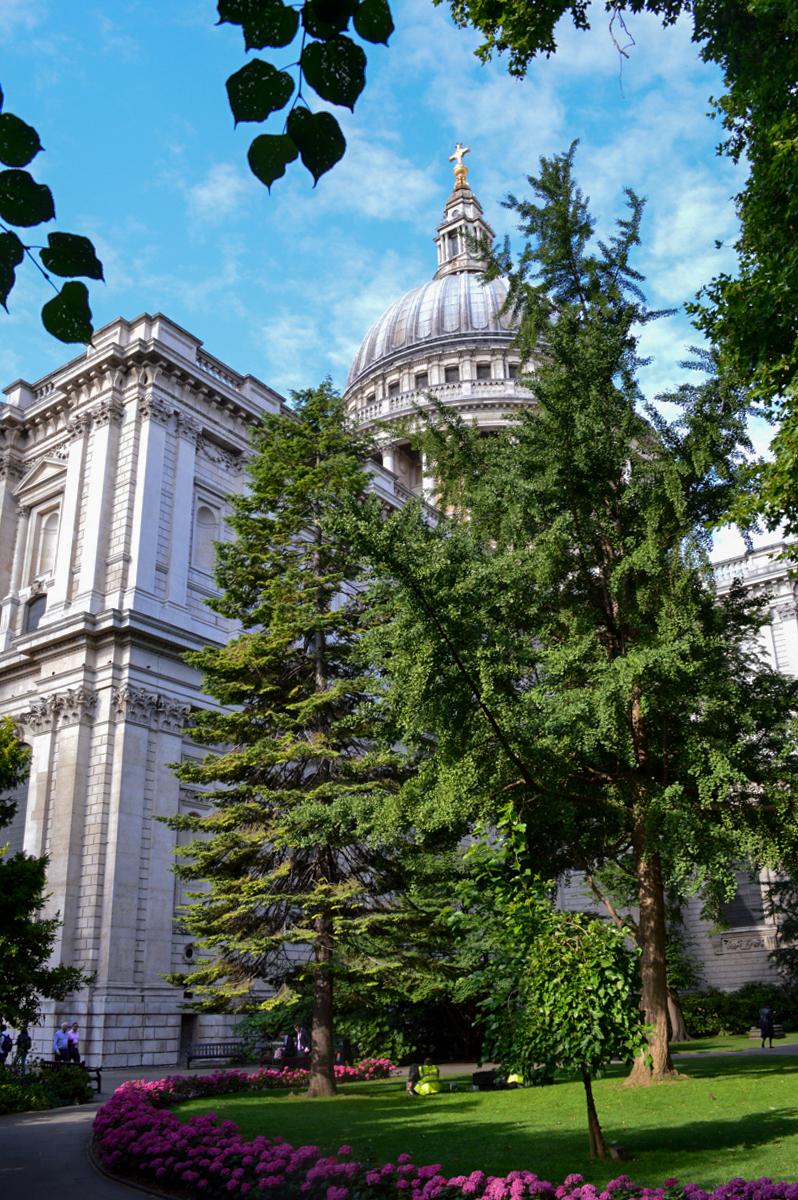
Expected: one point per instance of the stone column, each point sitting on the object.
(73, 712)
(68, 521)
(107, 416)
(389, 457)
(39, 732)
(188, 431)
(154, 413)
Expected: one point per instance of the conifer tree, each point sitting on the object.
(299, 878)
(557, 639)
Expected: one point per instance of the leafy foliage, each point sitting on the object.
(26, 939)
(563, 645)
(710, 1011)
(24, 203)
(302, 880)
(329, 62)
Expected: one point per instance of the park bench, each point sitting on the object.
(94, 1072)
(203, 1050)
(756, 1032)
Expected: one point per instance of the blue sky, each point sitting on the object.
(142, 156)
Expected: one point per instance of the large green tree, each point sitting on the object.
(300, 878)
(26, 938)
(561, 640)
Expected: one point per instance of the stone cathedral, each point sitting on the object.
(113, 475)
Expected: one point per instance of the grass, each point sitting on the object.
(741, 1041)
(731, 1117)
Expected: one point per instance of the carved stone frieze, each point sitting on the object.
(188, 427)
(224, 458)
(109, 410)
(731, 943)
(785, 612)
(73, 707)
(156, 407)
(151, 709)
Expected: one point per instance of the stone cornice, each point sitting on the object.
(153, 709)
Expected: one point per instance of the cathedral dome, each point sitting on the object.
(451, 308)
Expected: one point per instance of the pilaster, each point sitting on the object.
(154, 415)
(79, 426)
(107, 416)
(188, 430)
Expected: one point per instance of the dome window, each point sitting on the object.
(393, 389)
(453, 244)
(512, 370)
(483, 370)
(452, 374)
(422, 381)
(369, 399)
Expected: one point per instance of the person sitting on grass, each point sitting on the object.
(424, 1080)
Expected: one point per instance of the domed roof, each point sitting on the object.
(456, 304)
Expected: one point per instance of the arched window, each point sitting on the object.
(48, 538)
(34, 612)
(206, 531)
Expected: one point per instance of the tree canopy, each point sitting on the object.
(557, 642)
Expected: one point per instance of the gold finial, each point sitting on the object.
(460, 169)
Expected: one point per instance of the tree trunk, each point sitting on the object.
(652, 939)
(322, 1074)
(597, 1147)
(676, 1017)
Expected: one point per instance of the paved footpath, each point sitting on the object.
(43, 1155)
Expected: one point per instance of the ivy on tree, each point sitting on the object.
(25, 203)
(330, 63)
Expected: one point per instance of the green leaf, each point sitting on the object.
(373, 21)
(269, 155)
(318, 138)
(257, 90)
(12, 253)
(335, 69)
(263, 22)
(23, 201)
(71, 254)
(325, 19)
(68, 316)
(19, 143)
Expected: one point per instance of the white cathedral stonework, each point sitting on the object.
(113, 475)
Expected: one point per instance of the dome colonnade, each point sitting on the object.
(445, 338)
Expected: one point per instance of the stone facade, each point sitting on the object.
(114, 473)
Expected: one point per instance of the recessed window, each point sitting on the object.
(393, 389)
(34, 612)
(369, 399)
(422, 381)
(454, 244)
(483, 370)
(206, 531)
(452, 374)
(512, 370)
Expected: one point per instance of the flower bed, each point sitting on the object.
(137, 1137)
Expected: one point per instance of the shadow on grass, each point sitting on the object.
(541, 1130)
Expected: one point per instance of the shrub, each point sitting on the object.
(36, 1090)
(711, 1011)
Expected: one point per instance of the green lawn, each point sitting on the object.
(738, 1042)
(735, 1116)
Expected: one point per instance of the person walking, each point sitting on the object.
(23, 1046)
(766, 1025)
(61, 1043)
(302, 1040)
(6, 1043)
(73, 1046)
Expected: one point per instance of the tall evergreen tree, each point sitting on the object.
(562, 639)
(299, 878)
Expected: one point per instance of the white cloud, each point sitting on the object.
(13, 13)
(220, 195)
